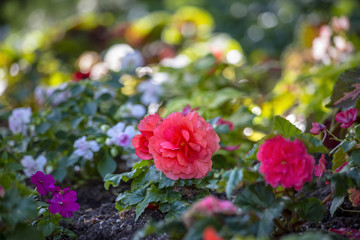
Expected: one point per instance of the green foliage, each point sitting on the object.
(285, 128)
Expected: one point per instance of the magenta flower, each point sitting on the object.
(321, 167)
(347, 118)
(43, 182)
(64, 203)
(222, 121)
(347, 232)
(187, 109)
(317, 128)
(231, 147)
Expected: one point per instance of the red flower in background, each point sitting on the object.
(78, 76)
(210, 233)
(347, 118)
(285, 162)
(317, 128)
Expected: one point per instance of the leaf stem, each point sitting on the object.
(334, 137)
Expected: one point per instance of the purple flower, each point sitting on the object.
(347, 118)
(64, 203)
(317, 128)
(43, 182)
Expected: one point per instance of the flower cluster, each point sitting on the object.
(181, 146)
(85, 148)
(63, 200)
(120, 135)
(285, 162)
(19, 119)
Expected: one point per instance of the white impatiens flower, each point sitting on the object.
(19, 119)
(85, 148)
(131, 61)
(150, 92)
(32, 166)
(120, 135)
(114, 56)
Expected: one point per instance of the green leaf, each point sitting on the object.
(174, 210)
(152, 175)
(23, 231)
(313, 145)
(255, 197)
(284, 127)
(131, 198)
(115, 179)
(90, 108)
(47, 228)
(42, 128)
(347, 145)
(266, 225)
(165, 182)
(106, 165)
(59, 173)
(235, 179)
(338, 159)
(153, 194)
(336, 202)
(77, 89)
(355, 156)
(347, 89)
(224, 95)
(311, 209)
(76, 121)
(142, 163)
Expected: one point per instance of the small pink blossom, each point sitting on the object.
(2, 192)
(211, 205)
(341, 23)
(347, 118)
(285, 162)
(317, 128)
(347, 232)
(321, 167)
(354, 197)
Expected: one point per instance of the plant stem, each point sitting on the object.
(346, 210)
(334, 137)
(327, 198)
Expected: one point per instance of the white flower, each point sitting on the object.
(85, 148)
(19, 119)
(114, 56)
(131, 61)
(32, 166)
(180, 61)
(150, 92)
(120, 135)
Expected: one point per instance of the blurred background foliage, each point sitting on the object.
(246, 60)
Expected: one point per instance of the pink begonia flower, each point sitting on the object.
(317, 128)
(347, 232)
(354, 197)
(222, 121)
(210, 233)
(285, 162)
(211, 205)
(19, 119)
(44, 183)
(341, 167)
(347, 118)
(182, 146)
(141, 141)
(64, 203)
(32, 166)
(120, 135)
(321, 167)
(2, 192)
(341, 23)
